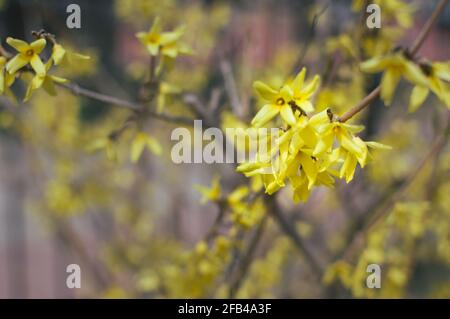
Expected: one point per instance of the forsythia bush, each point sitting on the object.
(319, 141)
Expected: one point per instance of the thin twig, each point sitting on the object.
(246, 259)
(380, 214)
(230, 88)
(291, 232)
(427, 27)
(312, 28)
(77, 90)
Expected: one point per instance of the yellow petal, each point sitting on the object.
(348, 168)
(348, 143)
(374, 65)
(16, 63)
(154, 146)
(58, 53)
(418, 96)
(38, 45)
(137, 147)
(312, 86)
(306, 106)
(35, 84)
(265, 91)
(389, 83)
(298, 81)
(49, 86)
(264, 115)
(414, 74)
(153, 49)
(323, 145)
(169, 37)
(58, 79)
(156, 27)
(320, 118)
(377, 145)
(2, 81)
(17, 44)
(287, 115)
(37, 65)
(310, 169)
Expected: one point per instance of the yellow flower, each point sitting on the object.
(438, 81)
(58, 53)
(106, 144)
(65, 57)
(291, 96)
(46, 81)
(28, 53)
(165, 43)
(6, 79)
(141, 141)
(212, 193)
(395, 66)
(165, 89)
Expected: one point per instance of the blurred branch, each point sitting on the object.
(246, 259)
(276, 212)
(69, 237)
(372, 219)
(414, 48)
(77, 90)
(230, 87)
(311, 31)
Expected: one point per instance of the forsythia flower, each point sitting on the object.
(141, 141)
(245, 212)
(309, 153)
(395, 66)
(28, 53)
(165, 89)
(106, 144)
(165, 43)
(438, 81)
(46, 81)
(291, 96)
(6, 79)
(210, 194)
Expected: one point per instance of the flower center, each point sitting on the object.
(280, 101)
(29, 52)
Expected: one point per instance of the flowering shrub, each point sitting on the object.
(320, 140)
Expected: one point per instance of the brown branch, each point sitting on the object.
(77, 90)
(291, 232)
(414, 48)
(230, 88)
(383, 211)
(427, 27)
(246, 259)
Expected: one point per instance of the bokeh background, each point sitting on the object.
(133, 228)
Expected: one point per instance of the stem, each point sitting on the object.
(77, 90)
(414, 48)
(291, 232)
(247, 259)
(427, 27)
(378, 215)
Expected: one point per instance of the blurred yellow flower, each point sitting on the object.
(166, 43)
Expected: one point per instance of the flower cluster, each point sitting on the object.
(310, 150)
(28, 60)
(424, 75)
(166, 44)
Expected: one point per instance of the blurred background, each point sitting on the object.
(136, 229)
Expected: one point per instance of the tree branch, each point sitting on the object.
(77, 90)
